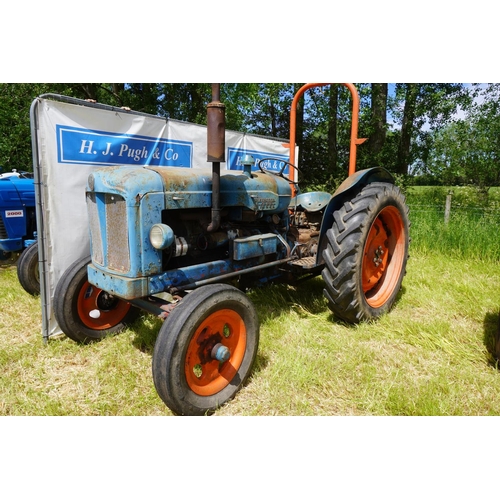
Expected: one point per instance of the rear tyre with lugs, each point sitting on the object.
(366, 253)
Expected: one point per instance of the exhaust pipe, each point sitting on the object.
(216, 145)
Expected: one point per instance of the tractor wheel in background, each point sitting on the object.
(28, 271)
(86, 313)
(205, 349)
(366, 253)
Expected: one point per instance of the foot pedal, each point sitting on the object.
(305, 262)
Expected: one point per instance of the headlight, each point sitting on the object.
(161, 236)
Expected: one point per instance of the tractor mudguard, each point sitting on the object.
(354, 182)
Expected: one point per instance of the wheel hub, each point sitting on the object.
(221, 353)
(106, 301)
(376, 256)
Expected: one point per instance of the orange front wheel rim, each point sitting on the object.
(383, 256)
(225, 330)
(99, 310)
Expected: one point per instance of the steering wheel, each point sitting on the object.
(282, 169)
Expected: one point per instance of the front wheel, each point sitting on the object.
(205, 349)
(86, 313)
(27, 270)
(366, 253)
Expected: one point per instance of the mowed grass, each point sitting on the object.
(432, 355)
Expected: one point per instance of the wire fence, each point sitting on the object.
(461, 231)
(439, 213)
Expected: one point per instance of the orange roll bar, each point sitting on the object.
(355, 140)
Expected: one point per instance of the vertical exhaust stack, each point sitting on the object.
(216, 146)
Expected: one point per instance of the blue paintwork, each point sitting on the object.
(130, 288)
(142, 191)
(254, 246)
(147, 191)
(16, 196)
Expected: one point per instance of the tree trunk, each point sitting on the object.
(198, 107)
(272, 114)
(412, 90)
(333, 102)
(378, 121)
(90, 91)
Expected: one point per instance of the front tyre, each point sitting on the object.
(366, 253)
(86, 313)
(205, 349)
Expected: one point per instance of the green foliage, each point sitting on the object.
(467, 151)
(15, 102)
(419, 132)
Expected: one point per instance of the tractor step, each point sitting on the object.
(305, 262)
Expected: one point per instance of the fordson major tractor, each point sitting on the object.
(18, 227)
(185, 245)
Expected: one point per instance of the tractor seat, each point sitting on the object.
(310, 202)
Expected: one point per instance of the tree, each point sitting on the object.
(15, 103)
(467, 151)
(378, 121)
(420, 108)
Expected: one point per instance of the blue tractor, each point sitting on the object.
(185, 245)
(18, 227)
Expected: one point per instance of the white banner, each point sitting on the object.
(72, 138)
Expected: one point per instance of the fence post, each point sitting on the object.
(447, 208)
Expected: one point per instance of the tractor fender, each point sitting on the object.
(346, 191)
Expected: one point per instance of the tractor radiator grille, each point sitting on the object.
(114, 252)
(95, 229)
(3, 231)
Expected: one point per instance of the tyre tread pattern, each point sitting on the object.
(343, 252)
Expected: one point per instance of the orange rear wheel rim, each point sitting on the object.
(383, 256)
(205, 375)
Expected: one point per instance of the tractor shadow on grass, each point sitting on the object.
(491, 337)
(306, 298)
(145, 330)
(270, 301)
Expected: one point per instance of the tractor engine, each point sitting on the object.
(151, 227)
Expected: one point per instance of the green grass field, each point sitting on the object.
(432, 355)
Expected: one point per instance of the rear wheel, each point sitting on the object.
(28, 271)
(205, 349)
(366, 253)
(86, 313)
